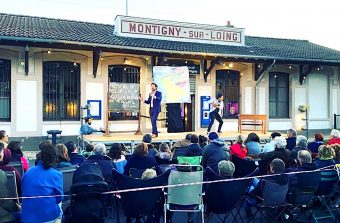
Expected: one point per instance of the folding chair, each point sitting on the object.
(192, 160)
(184, 198)
(145, 204)
(273, 205)
(325, 194)
(12, 186)
(216, 195)
(18, 166)
(243, 167)
(67, 180)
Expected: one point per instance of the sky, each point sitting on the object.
(316, 21)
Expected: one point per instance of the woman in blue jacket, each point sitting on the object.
(42, 180)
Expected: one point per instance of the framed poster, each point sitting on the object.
(95, 109)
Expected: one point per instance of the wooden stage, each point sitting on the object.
(132, 139)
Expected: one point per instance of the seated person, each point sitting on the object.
(140, 159)
(334, 137)
(336, 148)
(86, 128)
(63, 159)
(279, 152)
(117, 156)
(147, 139)
(149, 174)
(226, 169)
(43, 180)
(202, 140)
(268, 147)
(301, 144)
(194, 148)
(4, 138)
(313, 146)
(75, 158)
(253, 145)
(214, 152)
(182, 144)
(6, 157)
(99, 157)
(8, 208)
(88, 150)
(238, 148)
(164, 151)
(17, 154)
(291, 139)
(325, 157)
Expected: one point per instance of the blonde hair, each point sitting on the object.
(62, 153)
(149, 174)
(141, 149)
(326, 152)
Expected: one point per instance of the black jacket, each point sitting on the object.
(213, 153)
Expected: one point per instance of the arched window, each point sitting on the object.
(61, 91)
(5, 90)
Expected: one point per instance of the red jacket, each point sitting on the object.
(238, 151)
(333, 141)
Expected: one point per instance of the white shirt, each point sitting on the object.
(215, 101)
(151, 102)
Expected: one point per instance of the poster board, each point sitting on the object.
(173, 82)
(123, 97)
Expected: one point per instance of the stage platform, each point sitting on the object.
(130, 139)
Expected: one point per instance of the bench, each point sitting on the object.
(255, 120)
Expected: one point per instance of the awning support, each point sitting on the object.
(212, 65)
(261, 70)
(96, 58)
(302, 74)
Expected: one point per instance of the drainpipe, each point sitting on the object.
(260, 79)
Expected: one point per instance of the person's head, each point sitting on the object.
(318, 137)
(15, 147)
(304, 156)
(326, 152)
(194, 138)
(89, 148)
(2, 146)
(149, 174)
(202, 139)
(226, 168)
(48, 155)
(212, 136)
(274, 134)
(239, 140)
(219, 97)
(280, 142)
(301, 141)
(62, 153)
(291, 133)
(336, 148)
(71, 147)
(3, 136)
(188, 136)
(43, 143)
(147, 138)
(334, 134)
(88, 120)
(252, 137)
(7, 157)
(277, 166)
(141, 150)
(99, 149)
(164, 147)
(154, 87)
(115, 151)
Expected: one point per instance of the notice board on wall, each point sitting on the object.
(123, 97)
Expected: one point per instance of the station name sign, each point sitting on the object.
(177, 31)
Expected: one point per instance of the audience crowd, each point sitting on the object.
(291, 154)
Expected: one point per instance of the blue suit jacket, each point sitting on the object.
(156, 101)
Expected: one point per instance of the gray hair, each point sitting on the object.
(301, 141)
(304, 156)
(335, 133)
(99, 149)
(280, 142)
(226, 168)
(292, 132)
(149, 174)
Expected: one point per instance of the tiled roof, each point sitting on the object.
(28, 28)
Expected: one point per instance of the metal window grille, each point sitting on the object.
(278, 95)
(61, 91)
(5, 90)
(124, 74)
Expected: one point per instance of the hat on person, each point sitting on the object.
(219, 95)
(212, 136)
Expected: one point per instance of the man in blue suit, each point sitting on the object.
(154, 100)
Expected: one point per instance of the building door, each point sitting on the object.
(189, 108)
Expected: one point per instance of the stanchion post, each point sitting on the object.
(139, 131)
(107, 130)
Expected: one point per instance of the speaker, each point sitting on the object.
(174, 117)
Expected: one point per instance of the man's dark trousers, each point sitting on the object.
(214, 115)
